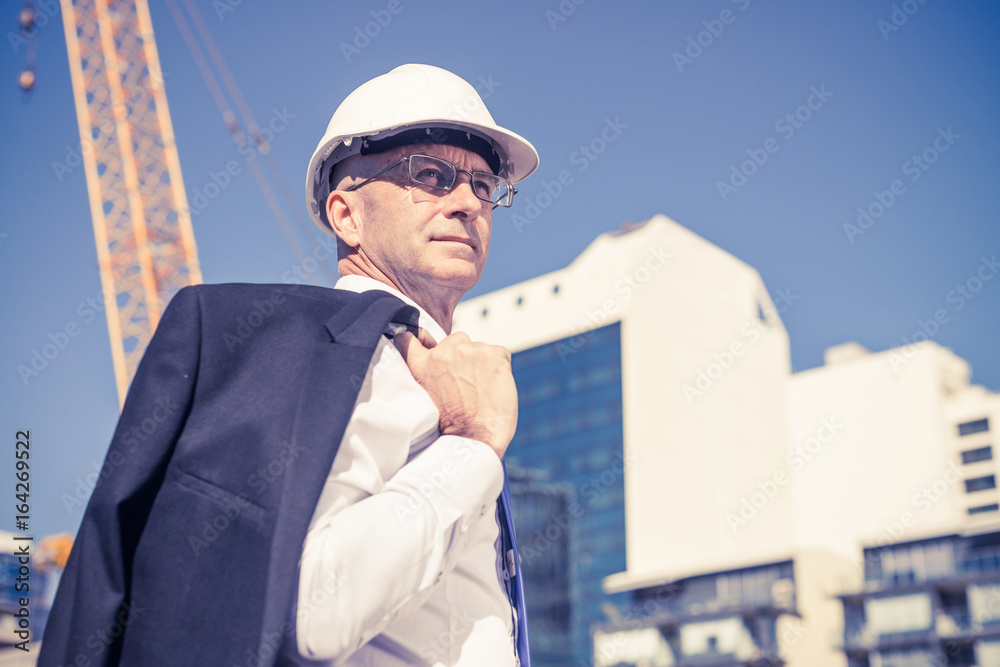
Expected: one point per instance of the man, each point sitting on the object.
(314, 492)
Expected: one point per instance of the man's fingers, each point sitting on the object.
(425, 338)
(403, 342)
(411, 346)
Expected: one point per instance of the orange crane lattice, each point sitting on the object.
(145, 244)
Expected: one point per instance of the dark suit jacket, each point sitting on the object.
(187, 553)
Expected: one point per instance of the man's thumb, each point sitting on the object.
(413, 349)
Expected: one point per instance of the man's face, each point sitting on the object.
(421, 238)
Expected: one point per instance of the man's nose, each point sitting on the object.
(461, 197)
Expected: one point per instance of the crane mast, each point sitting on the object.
(142, 226)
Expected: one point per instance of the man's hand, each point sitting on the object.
(470, 383)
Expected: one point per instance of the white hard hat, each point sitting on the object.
(401, 104)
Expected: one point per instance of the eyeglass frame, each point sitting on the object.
(438, 187)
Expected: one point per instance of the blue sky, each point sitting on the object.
(833, 101)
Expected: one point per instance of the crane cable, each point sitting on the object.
(236, 94)
(238, 134)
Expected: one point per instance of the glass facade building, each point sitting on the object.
(566, 469)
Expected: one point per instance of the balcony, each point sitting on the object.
(984, 562)
(867, 638)
(974, 566)
(951, 626)
(672, 615)
(749, 657)
(958, 624)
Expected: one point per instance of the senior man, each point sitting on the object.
(324, 490)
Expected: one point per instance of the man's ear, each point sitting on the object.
(342, 212)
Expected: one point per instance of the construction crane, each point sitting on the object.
(142, 226)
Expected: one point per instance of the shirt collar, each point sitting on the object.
(355, 283)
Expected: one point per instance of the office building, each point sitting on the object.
(681, 496)
(624, 360)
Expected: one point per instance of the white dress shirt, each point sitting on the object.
(400, 564)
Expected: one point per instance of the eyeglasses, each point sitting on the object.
(443, 175)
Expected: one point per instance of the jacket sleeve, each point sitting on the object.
(93, 606)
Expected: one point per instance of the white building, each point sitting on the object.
(701, 338)
(734, 466)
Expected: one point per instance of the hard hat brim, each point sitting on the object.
(520, 159)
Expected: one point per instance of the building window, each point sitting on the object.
(940, 560)
(978, 454)
(899, 614)
(982, 509)
(978, 426)
(980, 483)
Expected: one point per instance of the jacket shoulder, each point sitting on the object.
(239, 291)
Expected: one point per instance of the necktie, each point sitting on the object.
(513, 581)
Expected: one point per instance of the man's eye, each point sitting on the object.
(484, 189)
(430, 176)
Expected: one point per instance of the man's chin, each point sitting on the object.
(456, 273)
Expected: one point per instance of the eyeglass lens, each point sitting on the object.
(441, 174)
